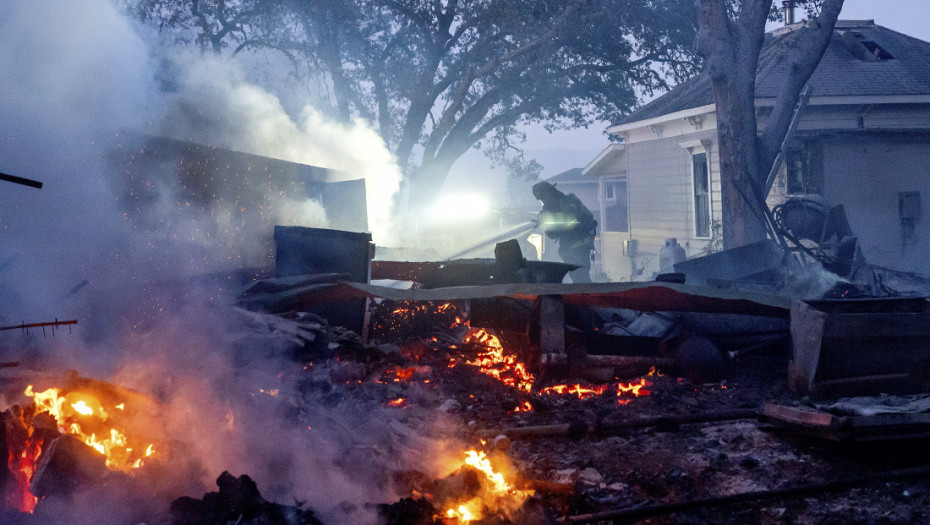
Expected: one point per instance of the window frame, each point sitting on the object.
(694, 154)
(804, 157)
(608, 180)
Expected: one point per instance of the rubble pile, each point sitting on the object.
(537, 444)
(238, 501)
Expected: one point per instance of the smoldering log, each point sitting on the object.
(603, 428)
(625, 361)
(548, 487)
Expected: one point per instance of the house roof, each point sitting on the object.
(570, 175)
(862, 60)
(567, 175)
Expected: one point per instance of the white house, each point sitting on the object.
(863, 141)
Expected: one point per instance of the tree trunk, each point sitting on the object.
(737, 149)
(731, 48)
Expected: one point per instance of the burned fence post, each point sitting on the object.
(551, 324)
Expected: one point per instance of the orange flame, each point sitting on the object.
(493, 362)
(83, 416)
(23, 467)
(576, 390)
(496, 492)
(635, 389)
(507, 369)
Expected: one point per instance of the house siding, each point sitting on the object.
(870, 154)
(865, 173)
(660, 201)
(864, 140)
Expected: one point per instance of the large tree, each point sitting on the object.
(438, 77)
(730, 37)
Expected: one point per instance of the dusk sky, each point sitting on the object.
(575, 148)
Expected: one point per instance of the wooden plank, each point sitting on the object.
(880, 427)
(798, 416)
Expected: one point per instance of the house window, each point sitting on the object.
(909, 205)
(804, 168)
(701, 188)
(909, 212)
(616, 206)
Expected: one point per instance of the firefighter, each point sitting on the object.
(566, 219)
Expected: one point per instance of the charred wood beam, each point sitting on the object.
(20, 180)
(548, 487)
(742, 497)
(623, 361)
(603, 428)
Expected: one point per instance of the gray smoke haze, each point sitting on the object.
(72, 75)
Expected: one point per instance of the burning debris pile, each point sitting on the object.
(422, 360)
(455, 407)
(83, 435)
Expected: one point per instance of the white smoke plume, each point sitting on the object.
(217, 105)
(72, 74)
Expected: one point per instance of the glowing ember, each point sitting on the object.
(496, 492)
(23, 467)
(404, 318)
(495, 363)
(397, 375)
(575, 390)
(83, 416)
(399, 402)
(633, 389)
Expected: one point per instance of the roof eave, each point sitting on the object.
(603, 155)
(685, 113)
(770, 101)
(855, 99)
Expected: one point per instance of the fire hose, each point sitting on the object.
(516, 230)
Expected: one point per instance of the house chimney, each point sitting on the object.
(788, 5)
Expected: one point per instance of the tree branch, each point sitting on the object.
(803, 52)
